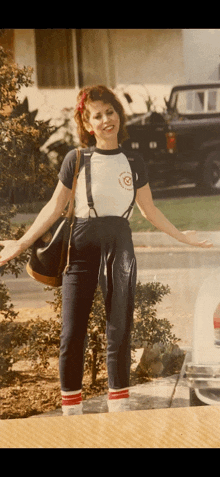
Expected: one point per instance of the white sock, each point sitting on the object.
(72, 402)
(118, 400)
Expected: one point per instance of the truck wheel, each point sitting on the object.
(194, 400)
(211, 172)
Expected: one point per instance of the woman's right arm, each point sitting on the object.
(47, 216)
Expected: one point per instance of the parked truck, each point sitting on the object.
(181, 145)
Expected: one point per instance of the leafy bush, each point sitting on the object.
(6, 307)
(22, 164)
(148, 329)
(23, 167)
(34, 340)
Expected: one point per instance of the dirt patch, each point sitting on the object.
(28, 392)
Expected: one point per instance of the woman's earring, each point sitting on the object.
(91, 132)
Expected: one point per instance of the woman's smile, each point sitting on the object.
(104, 121)
(109, 128)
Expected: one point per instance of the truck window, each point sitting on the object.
(196, 101)
(212, 101)
(199, 101)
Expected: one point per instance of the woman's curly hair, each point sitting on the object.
(81, 114)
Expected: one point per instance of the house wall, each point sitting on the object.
(149, 57)
(124, 59)
(201, 49)
(141, 62)
(128, 59)
(95, 57)
(48, 101)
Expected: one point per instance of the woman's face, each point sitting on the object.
(105, 122)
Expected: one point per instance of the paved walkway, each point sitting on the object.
(160, 393)
(160, 239)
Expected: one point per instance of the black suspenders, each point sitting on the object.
(87, 161)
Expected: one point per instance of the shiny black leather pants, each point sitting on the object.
(101, 252)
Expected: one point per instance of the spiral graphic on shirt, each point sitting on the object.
(125, 180)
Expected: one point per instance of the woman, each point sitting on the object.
(109, 181)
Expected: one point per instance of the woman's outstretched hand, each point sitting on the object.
(11, 249)
(190, 238)
(157, 218)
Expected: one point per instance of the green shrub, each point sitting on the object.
(148, 329)
(23, 167)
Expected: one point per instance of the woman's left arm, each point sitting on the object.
(146, 205)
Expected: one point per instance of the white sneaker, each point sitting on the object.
(72, 402)
(119, 405)
(74, 410)
(118, 400)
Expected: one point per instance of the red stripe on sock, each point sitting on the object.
(118, 394)
(72, 399)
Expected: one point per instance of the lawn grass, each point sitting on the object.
(199, 213)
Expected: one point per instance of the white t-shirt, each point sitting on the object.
(111, 181)
(111, 185)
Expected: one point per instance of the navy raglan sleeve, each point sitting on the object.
(141, 171)
(139, 167)
(67, 169)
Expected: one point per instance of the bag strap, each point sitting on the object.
(70, 211)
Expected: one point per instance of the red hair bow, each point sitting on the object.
(80, 105)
